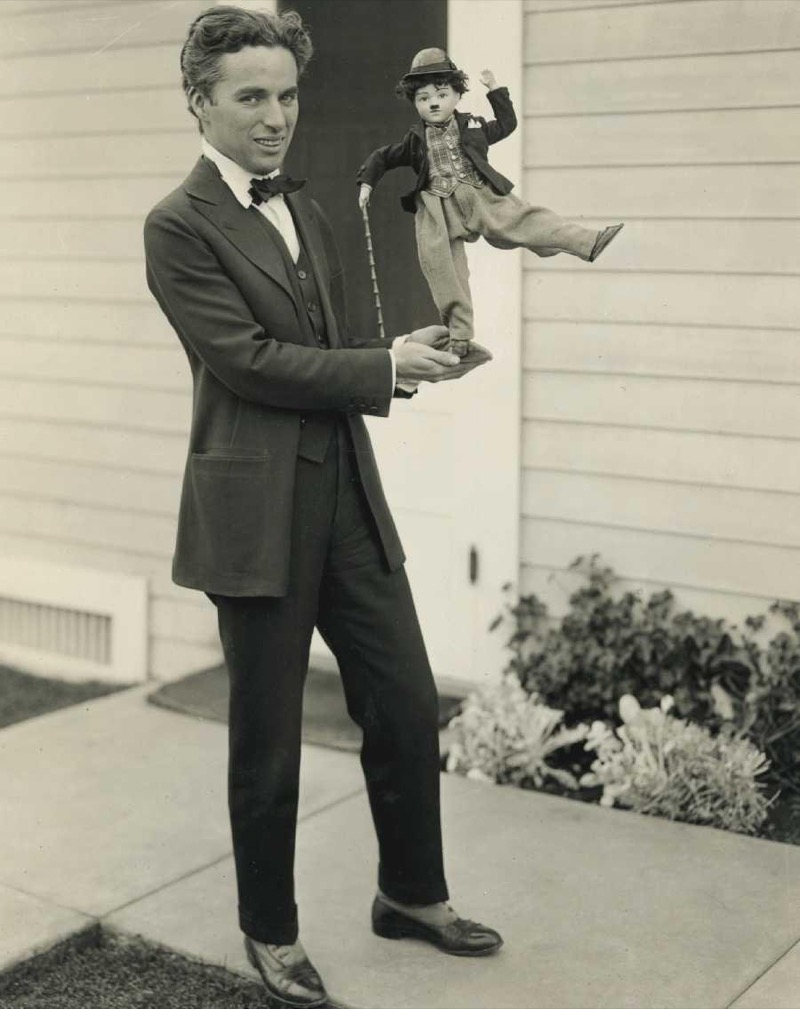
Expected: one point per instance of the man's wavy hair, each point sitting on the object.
(221, 30)
(408, 87)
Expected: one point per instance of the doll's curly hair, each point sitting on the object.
(407, 87)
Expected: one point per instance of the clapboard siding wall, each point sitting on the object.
(94, 389)
(661, 393)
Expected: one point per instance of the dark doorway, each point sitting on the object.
(348, 108)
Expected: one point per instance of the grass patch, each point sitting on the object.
(100, 970)
(25, 696)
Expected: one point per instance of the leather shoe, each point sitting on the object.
(295, 984)
(461, 937)
(603, 239)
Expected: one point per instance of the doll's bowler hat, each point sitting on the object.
(428, 62)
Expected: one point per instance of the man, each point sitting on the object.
(282, 521)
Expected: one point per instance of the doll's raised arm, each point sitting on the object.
(506, 120)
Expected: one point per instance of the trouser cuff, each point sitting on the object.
(412, 892)
(276, 933)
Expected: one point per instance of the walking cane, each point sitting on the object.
(373, 273)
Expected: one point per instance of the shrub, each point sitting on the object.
(611, 643)
(504, 734)
(654, 763)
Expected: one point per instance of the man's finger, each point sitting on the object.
(461, 369)
(443, 357)
(431, 336)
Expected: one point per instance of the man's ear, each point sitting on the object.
(198, 103)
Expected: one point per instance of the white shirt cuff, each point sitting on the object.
(408, 385)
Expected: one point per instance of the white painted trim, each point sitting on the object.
(121, 597)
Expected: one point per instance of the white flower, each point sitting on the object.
(629, 709)
(476, 774)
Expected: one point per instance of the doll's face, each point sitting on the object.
(435, 102)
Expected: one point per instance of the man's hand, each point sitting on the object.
(417, 362)
(422, 357)
(364, 192)
(437, 337)
(488, 79)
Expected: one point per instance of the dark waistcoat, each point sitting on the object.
(316, 428)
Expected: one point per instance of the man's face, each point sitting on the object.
(435, 102)
(251, 114)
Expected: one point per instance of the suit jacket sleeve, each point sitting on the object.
(506, 121)
(215, 323)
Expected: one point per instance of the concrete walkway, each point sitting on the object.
(115, 811)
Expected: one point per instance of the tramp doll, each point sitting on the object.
(458, 196)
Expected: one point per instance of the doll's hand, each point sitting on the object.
(364, 193)
(488, 79)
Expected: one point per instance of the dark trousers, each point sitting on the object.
(365, 613)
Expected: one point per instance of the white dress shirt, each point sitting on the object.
(239, 181)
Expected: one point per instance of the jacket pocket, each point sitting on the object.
(225, 522)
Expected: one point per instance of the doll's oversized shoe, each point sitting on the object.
(459, 938)
(290, 984)
(459, 347)
(606, 236)
(474, 354)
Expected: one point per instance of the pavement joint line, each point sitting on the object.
(165, 885)
(45, 900)
(332, 804)
(209, 865)
(763, 973)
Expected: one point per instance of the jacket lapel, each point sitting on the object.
(214, 200)
(308, 232)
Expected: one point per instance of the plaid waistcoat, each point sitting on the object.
(447, 163)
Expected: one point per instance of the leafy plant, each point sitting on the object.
(504, 734)
(654, 763)
(611, 643)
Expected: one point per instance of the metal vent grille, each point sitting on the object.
(55, 629)
(72, 622)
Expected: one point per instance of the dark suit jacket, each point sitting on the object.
(412, 151)
(222, 282)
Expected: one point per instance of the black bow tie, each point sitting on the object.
(262, 190)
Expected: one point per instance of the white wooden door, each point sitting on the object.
(450, 465)
(450, 458)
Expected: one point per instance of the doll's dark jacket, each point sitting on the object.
(412, 151)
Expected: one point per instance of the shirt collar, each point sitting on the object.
(234, 176)
(442, 126)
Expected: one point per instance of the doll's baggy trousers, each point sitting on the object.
(444, 224)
